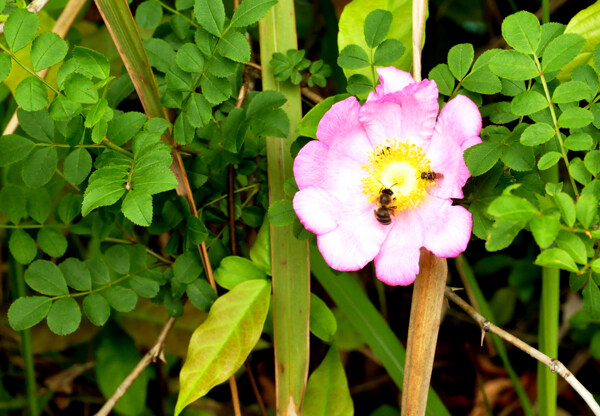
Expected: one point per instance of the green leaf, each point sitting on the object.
(528, 102)
(198, 110)
(116, 356)
(567, 207)
(556, 258)
(572, 91)
(201, 294)
(265, 101)
(22, 246)
(211, 15)
(513, 65)
(460, 58)
(560, 51)
(587, 75)
(154, 181)
(281, 213)
(160, 54)
(63, 109)
(443, 78)
(14, 148)
(215, 89)
(64, 316)
(235, 270)
(118, 259)
(575, 118)
(322, 321)
(591, 299)
(522, 31)
(518, 157)
(93, 62)
(234, 323)
(39, 167)
(37, 124)
(77, 166)
(183, 4)
(353, 57)
(250, 12)
(46, 278)
(97, 112)
(144, 286)
(586, 209)
(579, 142)
(76, 273)
(310, 122)
(137, 207)
(27, 311)
(537, 134)
(121, 298)
(47, 49)
(96, 308)
(591, 161)
(578, 171)
(377, 26)
(234, 46)
(5, 65)
(482, 81)
(327, 392)
(52, 242)
(388, 52)
(512, 208)
(573, 245)
(31, 94)
(99, 271)
(359, 84)
(190, 59)
(545, 229)
(187, 267)
(549, 32)
(39, 204)
(124, 127)
(482, 157)
(148, 14)
(106, 186)
(80, 89)
(502, 234)
(13, 203)
(548, 160)
(20, 28)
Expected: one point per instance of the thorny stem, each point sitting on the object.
(553, 364)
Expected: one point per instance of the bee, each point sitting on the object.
(385, 208)
(431, 175)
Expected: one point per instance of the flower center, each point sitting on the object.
(399, 167)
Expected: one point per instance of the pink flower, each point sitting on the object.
(379, 181)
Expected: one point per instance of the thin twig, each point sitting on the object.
(150, 357)
(311, 95)
(553, 364)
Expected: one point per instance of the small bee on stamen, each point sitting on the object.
(431, 175)
(385, 205)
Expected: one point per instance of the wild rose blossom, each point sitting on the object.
(393, 146)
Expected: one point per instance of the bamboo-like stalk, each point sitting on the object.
(289, 256)
(423, 328)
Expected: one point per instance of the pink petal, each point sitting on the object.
(457, 128)
(397, 263)
(354, 243)
(391, 80)
(340, 127)
(308, 164)
(447, 227)
(406, 114)
(314, 209)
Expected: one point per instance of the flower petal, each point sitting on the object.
(309, 162)
(406, 114)
(354, 243)
(447, 227)
(341, 128)
(397, 263)
(458, 127)
(391, 79)
(314, 209)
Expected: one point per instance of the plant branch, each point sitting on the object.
(553, 364)
(150, 357)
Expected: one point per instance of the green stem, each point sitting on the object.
(245, 188)
(119, 149)
(31, 71)
(148, 250)
(18, 282)
(177, 12)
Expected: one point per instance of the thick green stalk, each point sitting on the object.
(18, 283)
(289, 256)
(550, 300)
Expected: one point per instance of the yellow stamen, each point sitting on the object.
(397, 166)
